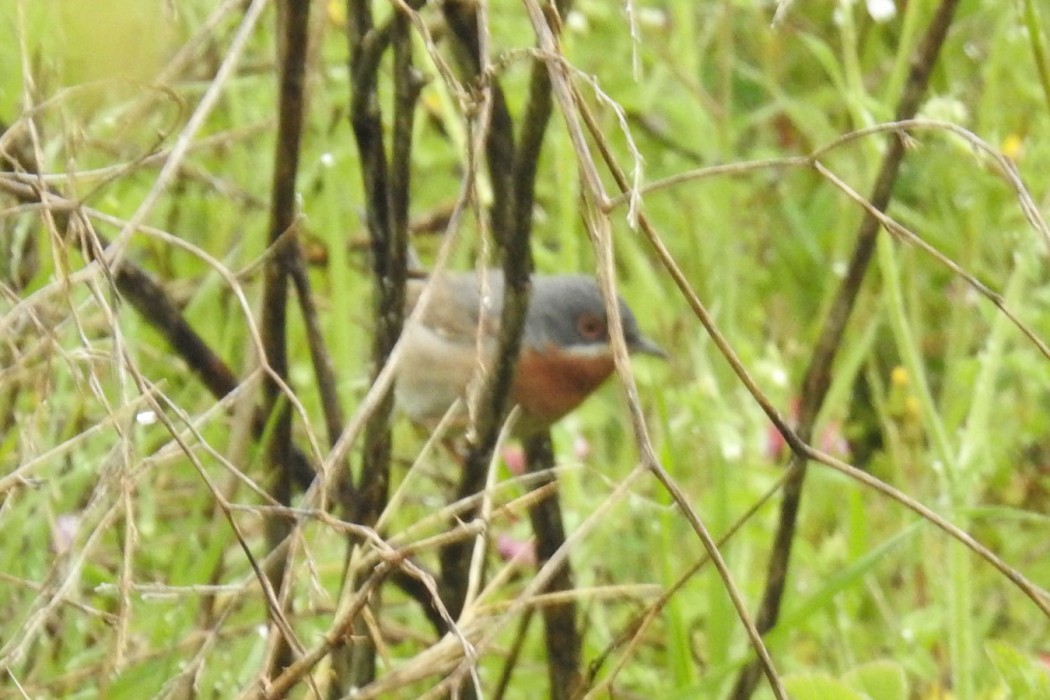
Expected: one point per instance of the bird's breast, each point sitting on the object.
(434, 371)
(550, 383)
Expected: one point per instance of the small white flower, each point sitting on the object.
(64, 533)
(652, 18)
(732, 448)
(882, 10)
(945, 108)
(577, 22)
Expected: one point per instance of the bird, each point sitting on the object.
(565, 352)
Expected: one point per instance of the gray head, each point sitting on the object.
(567, 311)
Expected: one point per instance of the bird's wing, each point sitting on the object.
(457, 310)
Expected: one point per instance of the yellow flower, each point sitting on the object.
(337, 13)
(1013, 147)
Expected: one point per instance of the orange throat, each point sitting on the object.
(549, 384)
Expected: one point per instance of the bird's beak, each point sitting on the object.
(644, 346)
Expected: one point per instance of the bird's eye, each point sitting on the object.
(591, 327)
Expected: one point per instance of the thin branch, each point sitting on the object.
(470, 31)
(231, 57)
(468, 23)
(817, 378)
(293, 26)
(155, 304)
(599, 228)
(564, 645)
(387, 189)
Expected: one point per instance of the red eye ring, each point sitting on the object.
(590, 327)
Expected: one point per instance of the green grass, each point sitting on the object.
(938, 393)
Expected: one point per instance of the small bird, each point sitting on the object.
(565, 351)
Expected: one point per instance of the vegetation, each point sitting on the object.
(162, 536)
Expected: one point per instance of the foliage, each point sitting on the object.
(121, 577)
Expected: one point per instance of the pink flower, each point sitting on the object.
(514, 458)
(831, 439)
(519, 551)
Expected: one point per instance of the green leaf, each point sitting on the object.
(1024, 676)
(819, 686)
(879, 680)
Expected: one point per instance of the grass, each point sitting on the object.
(121, 577)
